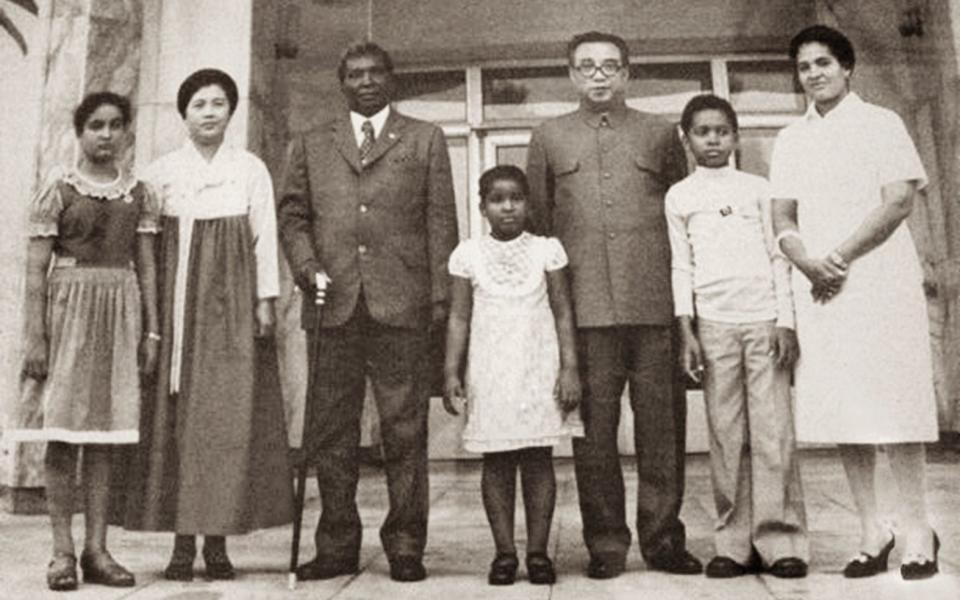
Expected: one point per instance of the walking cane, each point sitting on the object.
(305, 451)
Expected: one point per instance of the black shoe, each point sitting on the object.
(789, 567)
(178, 571)
(865, 565)
(724, 567)
(325, 568)
(503, 570)
(217, 565)
(679, 563)
(605, 565)
(407, 568)
(101, 568)
(921, 570)
(540, 569)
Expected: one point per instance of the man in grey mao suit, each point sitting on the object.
(366, 200)
(597, 182)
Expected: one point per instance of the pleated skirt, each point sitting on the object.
(213, 457)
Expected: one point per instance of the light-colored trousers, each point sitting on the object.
(756, 478)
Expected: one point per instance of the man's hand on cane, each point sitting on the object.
(321, 282)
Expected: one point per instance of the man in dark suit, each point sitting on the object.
(366, 203)
(597, 182)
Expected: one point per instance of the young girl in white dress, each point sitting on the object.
(511, 302)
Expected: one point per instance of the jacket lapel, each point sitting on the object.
(346, 143)
(387, 138)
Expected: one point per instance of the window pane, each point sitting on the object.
(512, 155)
(764, 87)
(666, 88)
(433, 96)
(756, 145)
(536, 92)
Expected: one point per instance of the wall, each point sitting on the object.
(19, 134)
(465, 29)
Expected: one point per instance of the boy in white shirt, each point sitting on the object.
(732, 298)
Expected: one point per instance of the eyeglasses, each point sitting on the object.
(588, 68)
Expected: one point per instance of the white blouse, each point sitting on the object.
(235, 182)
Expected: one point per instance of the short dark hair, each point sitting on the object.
(598, 36)
(503, 172)
(359, 49)
(838, 44)
(707, 102)
(93, 101)
(201, 79)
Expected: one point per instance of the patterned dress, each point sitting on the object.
(91, 394)
(213, 459)
(513, 358)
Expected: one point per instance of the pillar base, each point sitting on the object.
(23, 500)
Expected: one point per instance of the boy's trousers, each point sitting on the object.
(756, 479)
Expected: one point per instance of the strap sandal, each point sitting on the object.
(62, 572)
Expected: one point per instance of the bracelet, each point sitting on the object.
(789, 233)
(152, 335)
(837, 260)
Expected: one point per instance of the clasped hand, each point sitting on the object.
(826, 276)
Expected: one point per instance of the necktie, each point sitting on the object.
(367, 144)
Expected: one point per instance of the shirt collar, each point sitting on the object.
(850, 102)
(614, 118)
(378, 120)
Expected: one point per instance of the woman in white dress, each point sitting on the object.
(844, 177)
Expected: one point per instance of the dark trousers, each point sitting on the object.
(643, 356)
(393, 358)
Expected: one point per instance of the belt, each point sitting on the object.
(69, 262)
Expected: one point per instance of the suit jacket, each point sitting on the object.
(385, 227)
(598, 184)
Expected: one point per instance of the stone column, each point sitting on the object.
(179, 37)
(76, 47)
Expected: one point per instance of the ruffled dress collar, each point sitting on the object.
(119, 188)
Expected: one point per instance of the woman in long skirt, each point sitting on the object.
(213, 459)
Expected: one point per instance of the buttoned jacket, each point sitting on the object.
(597, 182)
(384, 226)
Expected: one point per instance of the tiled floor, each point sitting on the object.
(460, 549)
